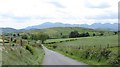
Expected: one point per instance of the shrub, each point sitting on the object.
(66, 51)
(105, 53)
(30, 49)
(71, 53)
(54, 46)
(13, 45)
(93, 34)
(73, 34)
(86, 54)
(24, 36)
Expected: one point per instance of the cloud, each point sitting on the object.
(16, 18)
(57, 4)
(22, 13)
(111, 15)
(100, 5)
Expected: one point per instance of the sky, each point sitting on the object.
(19, 14)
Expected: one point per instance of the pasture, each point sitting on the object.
(97, 50)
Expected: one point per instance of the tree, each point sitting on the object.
(101, 34)
(43, 37)
(61, 34)
(40, 36)
(34, 37)
(14, 35)
(115, 33)
(84, 34)
(73, 34)
(24, 36)
(18, 34)
(94, 34)
(87, 34)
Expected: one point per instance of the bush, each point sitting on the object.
(66, 52)
(24, 36)
(54, 46)
(13, 45)
(105, 53)
(71, 53)
(93, 34)
(30, 49)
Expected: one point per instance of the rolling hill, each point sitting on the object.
(58, 32)
(11, 30)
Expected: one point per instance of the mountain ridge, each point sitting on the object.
(109, 26)
(98, 26)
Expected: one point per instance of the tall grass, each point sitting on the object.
(21, 56)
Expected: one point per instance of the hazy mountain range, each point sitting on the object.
(106, 26)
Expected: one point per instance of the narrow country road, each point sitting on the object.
(54, 58)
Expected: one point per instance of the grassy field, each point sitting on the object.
(88, 49)
(91, 41)
(56, 32)
(21, 56)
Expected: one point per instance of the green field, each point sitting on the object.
(89, 41)
(21, 56)
(94, 45)
(56, 32)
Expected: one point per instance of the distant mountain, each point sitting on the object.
(106, 26)
(50, 25)
(9, 30)
(97, 26)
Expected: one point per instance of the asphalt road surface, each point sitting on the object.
(54, 58)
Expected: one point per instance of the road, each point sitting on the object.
(54, 58)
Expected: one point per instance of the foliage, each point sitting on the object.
(43, 37)
(40, 36)
(93, 34)
(30, 49)
(73, 34)
(24, 36)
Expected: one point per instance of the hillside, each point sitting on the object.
(58, 32)
(11, 30)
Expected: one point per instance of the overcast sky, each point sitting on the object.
(22, 13)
